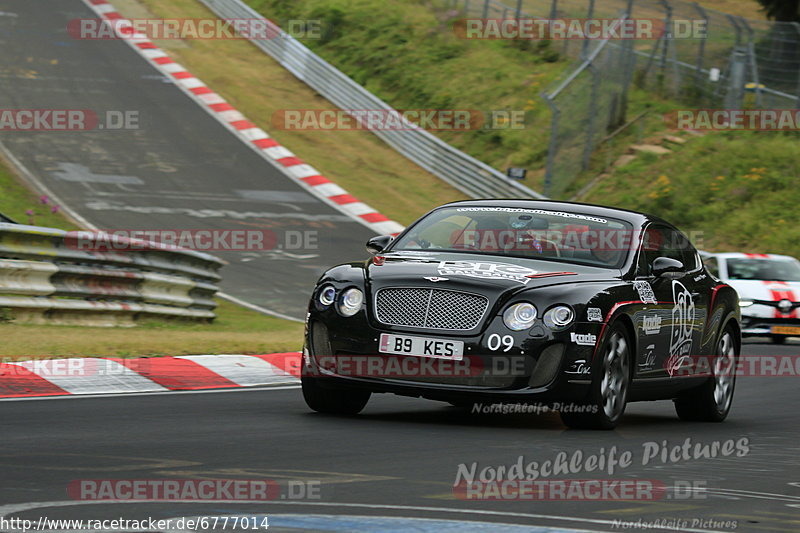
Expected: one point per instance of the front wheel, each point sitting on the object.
(609, 392)
(333, 400)
(712, 401)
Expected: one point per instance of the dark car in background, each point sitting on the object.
(583, 307)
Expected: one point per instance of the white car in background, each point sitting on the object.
(769, 291)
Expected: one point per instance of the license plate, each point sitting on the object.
(786, 330)
(421, 347)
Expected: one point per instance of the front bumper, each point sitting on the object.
(541, 365)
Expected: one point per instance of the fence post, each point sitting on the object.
(587, 148)
(585, 46)
(552, 148)
(701, 49)
(796, 26)
(751, 52)
(667, 40)
(553, 9)
(735, 93)
(485, 9)
(519, 10)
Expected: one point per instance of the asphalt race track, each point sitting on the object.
(390, 469)
(398, 459)
(179, 164)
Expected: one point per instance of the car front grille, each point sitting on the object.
(430, 308)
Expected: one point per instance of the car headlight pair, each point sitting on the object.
(350, 301)
(522, 315)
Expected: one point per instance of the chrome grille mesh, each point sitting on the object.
(430, 308)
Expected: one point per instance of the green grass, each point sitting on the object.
(16, 199)
(236, 330)
(407, 53)
(740, 189)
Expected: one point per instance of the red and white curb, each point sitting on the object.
(87, 376)
(258, 139)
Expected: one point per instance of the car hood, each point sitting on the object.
(489, 275)
(750, 289)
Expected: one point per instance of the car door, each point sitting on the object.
(669, 327)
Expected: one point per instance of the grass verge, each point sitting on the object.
(237, 330)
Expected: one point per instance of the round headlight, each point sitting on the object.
(327, 295)
(559, 317)
(352, 299)
(746, 303)
(519, 316)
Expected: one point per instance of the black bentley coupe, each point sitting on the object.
(579, 307)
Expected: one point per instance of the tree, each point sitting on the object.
(781, 10)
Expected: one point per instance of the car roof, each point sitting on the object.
(634, 217)
(741, 255)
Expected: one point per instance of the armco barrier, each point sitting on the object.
(465, 173)
(47, 276)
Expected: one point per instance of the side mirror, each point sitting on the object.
(665, 265)
(378, 244)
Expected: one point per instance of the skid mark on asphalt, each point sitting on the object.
(117, 463)
(326, 478)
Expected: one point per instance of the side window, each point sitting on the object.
(661, 241)
(712, 265)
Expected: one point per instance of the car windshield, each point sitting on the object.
(764, 269)
(518, 232)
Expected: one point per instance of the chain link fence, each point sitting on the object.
(735, 63)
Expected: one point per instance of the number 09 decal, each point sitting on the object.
(495, 342)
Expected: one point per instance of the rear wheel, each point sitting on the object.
(333, 400)
(778, 339)
(712, 401)
(609, 391)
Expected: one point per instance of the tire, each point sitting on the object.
(778, 339)
(711, 401)
(609, 390)
(333, 400)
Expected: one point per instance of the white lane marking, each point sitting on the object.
(244, 370)
(6, 510)
(254, 307)
(185, 85)
(90, 376)
(161, 393)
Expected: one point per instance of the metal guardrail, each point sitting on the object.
(465, 173)
(50, 275)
